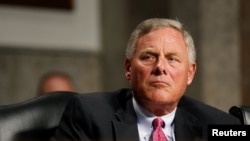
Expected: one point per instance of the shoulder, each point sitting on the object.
(101, 99)
(205, 112)
(190, 104)
(86, 107)
(104, 96)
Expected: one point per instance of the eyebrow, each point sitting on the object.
(148, 50)
(152, 51)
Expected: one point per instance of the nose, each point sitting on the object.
(160, 67)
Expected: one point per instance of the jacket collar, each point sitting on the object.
(125, 124)
(187, 125)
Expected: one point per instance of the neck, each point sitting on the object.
(158, 109)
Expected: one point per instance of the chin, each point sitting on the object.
(161, 95)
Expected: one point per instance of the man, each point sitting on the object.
(160, 64)
(55, 81)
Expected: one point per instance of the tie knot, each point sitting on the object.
(158, 122)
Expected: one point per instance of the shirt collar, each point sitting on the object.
(145, 118)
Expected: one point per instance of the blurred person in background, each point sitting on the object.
(55, 81)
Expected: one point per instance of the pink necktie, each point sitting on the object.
(158, 134)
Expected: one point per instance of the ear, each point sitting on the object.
(128, 68)
(191, 72)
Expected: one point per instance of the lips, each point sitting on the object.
(159, 83)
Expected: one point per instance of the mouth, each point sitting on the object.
(159, 84)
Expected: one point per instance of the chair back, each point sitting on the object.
(35, 119)
(242, 112)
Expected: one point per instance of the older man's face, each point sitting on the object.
(160, 70)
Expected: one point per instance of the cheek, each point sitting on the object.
(140, 73)
(180, 77)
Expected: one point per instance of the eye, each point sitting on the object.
(172, 58)
(148, 58)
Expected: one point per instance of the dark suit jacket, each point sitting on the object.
(111, 116)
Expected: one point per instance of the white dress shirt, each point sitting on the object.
(144, 123)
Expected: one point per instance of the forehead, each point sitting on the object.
(166, 32)
(162, 37)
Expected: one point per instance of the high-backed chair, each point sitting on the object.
(242, 112)
(33, 120)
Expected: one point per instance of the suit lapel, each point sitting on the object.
(186, 128)
(125, 123)
(125, 126)
(125, 132)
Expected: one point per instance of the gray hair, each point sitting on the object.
(156, 23)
